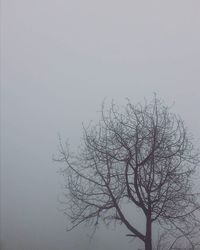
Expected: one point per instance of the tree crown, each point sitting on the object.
(142, 155)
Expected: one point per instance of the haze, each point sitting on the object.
(59, 60)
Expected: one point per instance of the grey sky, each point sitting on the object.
(59, 59)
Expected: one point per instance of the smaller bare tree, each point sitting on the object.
(142, 155)
(173, 240)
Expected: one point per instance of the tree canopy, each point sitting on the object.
(142, 155)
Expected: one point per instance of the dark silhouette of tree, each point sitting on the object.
(141, 155)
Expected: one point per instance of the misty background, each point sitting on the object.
(59, 60)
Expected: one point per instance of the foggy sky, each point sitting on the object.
(59, 60)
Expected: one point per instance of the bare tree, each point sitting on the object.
(141, 155)
(170, 240)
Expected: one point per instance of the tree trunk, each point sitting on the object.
(148, 240)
